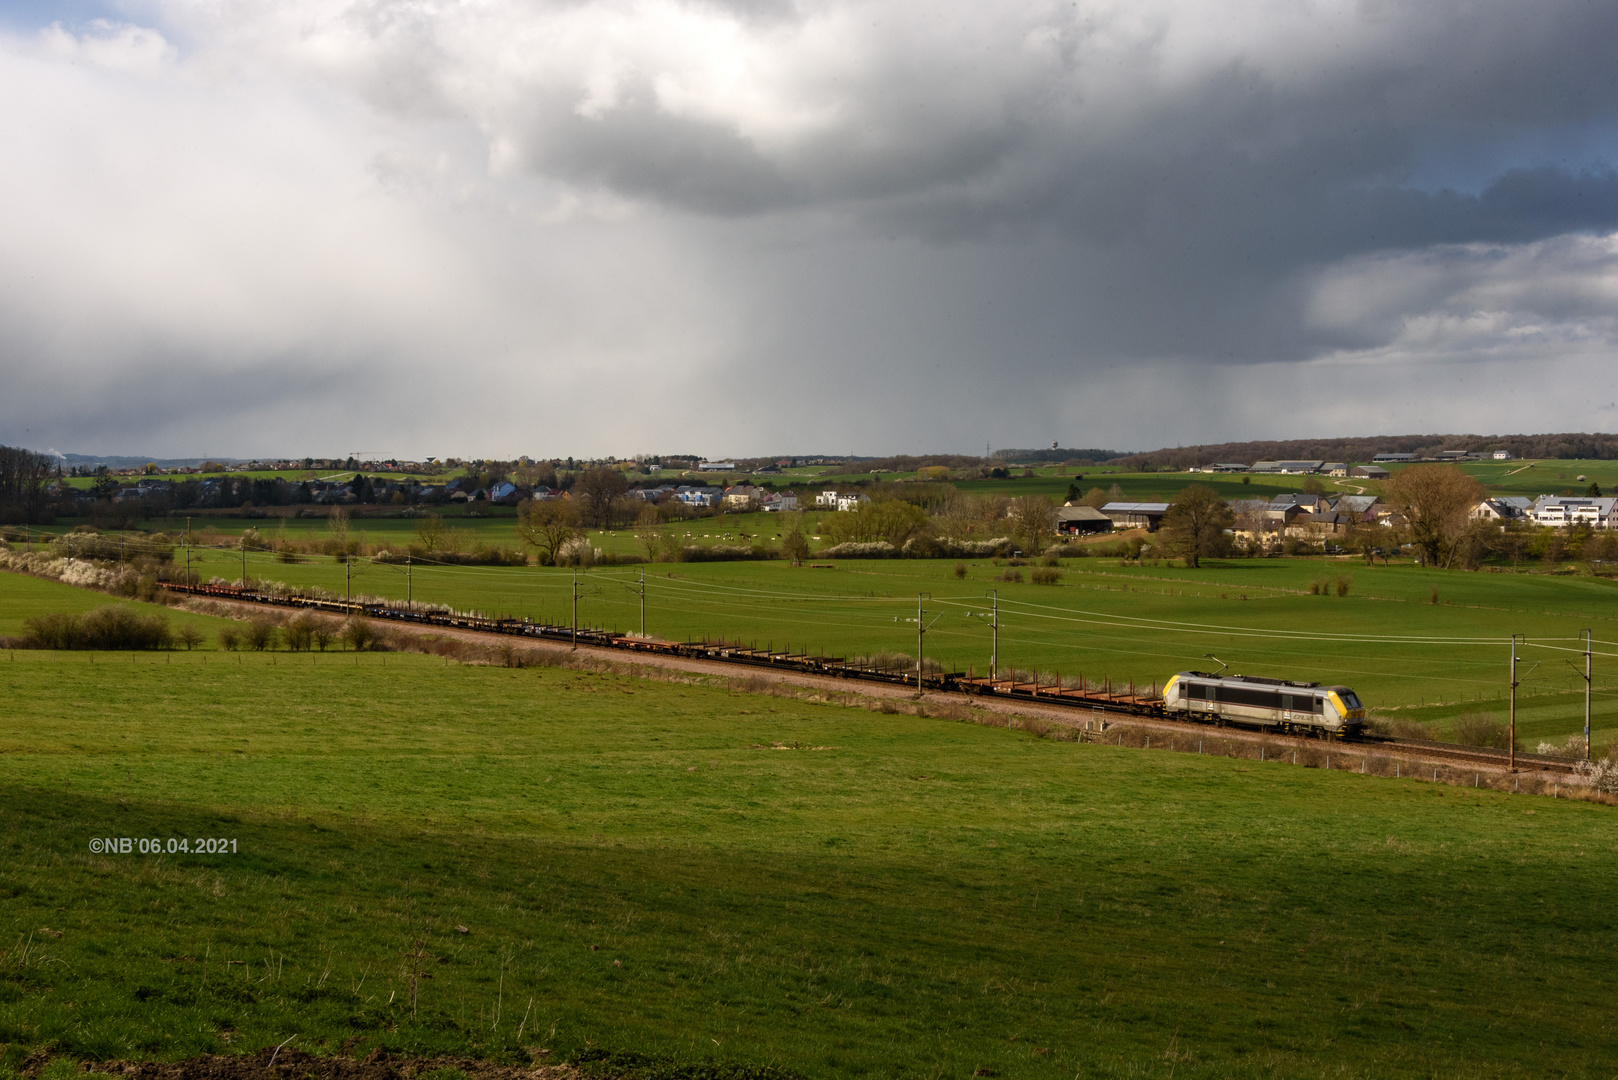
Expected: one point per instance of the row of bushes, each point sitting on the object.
(302, 632)
(106, 629)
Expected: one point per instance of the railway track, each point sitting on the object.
(1130, 702)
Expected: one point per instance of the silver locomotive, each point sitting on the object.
(1303, 707)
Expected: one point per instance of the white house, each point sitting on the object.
(1558, 511)
(786, 500)
(826, 499)
(1502, 455)
(853, 501)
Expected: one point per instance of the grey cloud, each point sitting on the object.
(921, 224)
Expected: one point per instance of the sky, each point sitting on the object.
(583, 227)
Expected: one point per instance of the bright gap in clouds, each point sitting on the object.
(611, 227)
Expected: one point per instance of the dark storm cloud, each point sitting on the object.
(946, 220)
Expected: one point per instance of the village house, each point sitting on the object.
(743, 496)
(1502, 508)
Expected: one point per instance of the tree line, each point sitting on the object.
(23, 476)
(1596, 446)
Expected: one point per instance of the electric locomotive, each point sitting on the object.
(1277, 704)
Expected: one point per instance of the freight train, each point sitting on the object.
(1269, 704)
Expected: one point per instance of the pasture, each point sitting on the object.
(695, 871)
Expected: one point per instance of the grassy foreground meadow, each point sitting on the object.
(446, 858)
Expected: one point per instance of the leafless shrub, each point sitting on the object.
(357, 633)
(1410, 729)
(299, 631)
(1014, 576)
(1481, 729)
(261, 633)
(1045, 575)
(322, 632)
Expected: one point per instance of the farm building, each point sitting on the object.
(1292, 467)
(1135, 515)
(1082, 519)
(1369, 472)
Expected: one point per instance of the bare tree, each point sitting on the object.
(1434, 501)
(23, 474)
(649, 532)
(599, 491)
(957, 519)
(546, 525)
(536, 474)
(430, 532)
(341, 540)
(1194, 525)
(1033, 521)
(795, 546)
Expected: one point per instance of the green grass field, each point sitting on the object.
(638, 867)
